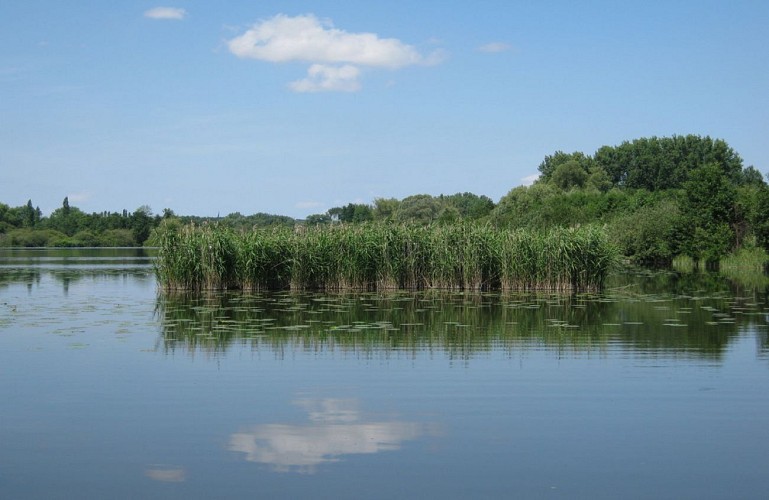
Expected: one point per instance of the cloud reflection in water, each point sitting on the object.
(166, 474)
(336, 429)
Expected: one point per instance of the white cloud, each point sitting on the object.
(336, 55)
(78, 197)
(322, 78)
(495, 47)
(336, 429)
(166, 13)
(306, 38)
(529, 179)
(308, 204)
(166, 474)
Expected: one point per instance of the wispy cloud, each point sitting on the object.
(336, 429)
(308, 204)
(328, 78)
(166, 13)
(336, 55)
(166, 474)
(529, 179)
(78, 197)
(495, 47)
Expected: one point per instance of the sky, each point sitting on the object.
(294, 107)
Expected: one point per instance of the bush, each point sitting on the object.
(26, 237)
(649, 235)
(117, 238)
(85, 238)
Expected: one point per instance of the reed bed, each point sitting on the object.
(375, 257)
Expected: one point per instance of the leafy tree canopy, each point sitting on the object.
(654, 163)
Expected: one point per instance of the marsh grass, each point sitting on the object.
(371, 257)
(747, 266)
(744, 261)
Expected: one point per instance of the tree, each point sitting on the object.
(449, 214)
(318, 219)
(352, 212)
(141, 224)
(666, 163)
(569, 175)
(598, 179)
(708, 210)
(751, 176)
(420, 208)
(761, 221)
(30, 215)
(523, 205)
(385, 209)
(468, 205)
(551, 162)
(649, 235)
(67, 219)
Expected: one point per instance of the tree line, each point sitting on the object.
(68, 226)
(657, 197)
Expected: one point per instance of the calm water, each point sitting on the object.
(658, 388)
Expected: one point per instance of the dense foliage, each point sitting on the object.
(68, 226)
(658, 198)
(381, 256)
(419, 208)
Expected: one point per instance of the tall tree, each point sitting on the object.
(421, 208)
(569, 175)
(708, 209)
(30, 215)
(467, 205)
(551, 162)
(666, 163)
(352, 212)
(385, 209)
(141, 224)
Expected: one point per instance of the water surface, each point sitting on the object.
(657, 388)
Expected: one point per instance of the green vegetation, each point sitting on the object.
(383, 257)
(419, 209)
(659, 199)
(68, 226)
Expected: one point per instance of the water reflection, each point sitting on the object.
(53, 256)
(71, 266)
(81, 380)
(166, 474)
(336, 428)
(697, 319)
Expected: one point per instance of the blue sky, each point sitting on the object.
(294, 107)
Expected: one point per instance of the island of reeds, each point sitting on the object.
(378, 257)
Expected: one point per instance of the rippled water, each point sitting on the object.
(658, 388)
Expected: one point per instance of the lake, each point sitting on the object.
(656, 388)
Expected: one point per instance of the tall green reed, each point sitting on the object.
(370, 257)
